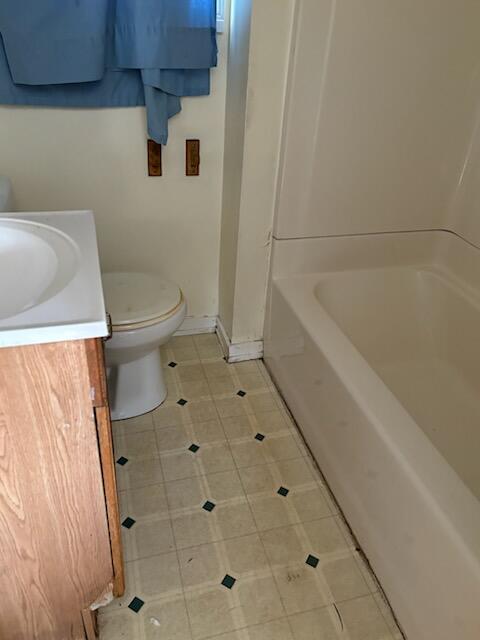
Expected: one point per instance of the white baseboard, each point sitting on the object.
(241, 351)
(192, 325)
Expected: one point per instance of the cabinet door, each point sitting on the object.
(55, 558)
(98, 393)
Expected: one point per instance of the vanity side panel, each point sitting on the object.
(54, 543)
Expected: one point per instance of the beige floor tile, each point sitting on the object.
(175, 539)
(291, 474)
(194, 389)
(301, 587)
(157, 576)
(193, 492)
(250, 453)
(309, 504)
(145, 502)
(146, 539)
(172, 438)
(319, 624)
(276, 630)
(210, 458)
(232, 406)
(271, 421)
(207, 352)
(216, 369)
(261, 401)
(165, 618)
(207, 565)
(273, 511)
(222, 486)
(201, 527)
(284, 545)
(251, 381)
(190, 372)
(210, 431)
(179, 465)
(138, 473)
(298, 506)
(222, 386)
(201, 410)
(168, 415)
(185, 493)
(220, 610)
(344, 578)
(205, 339)
(292, 544)
(242, 426)
(182, 436)
(260, 600)
(363, 620)
(120, 625)
(133, 425)
(136, 446)
(324, 537)
(180, 342)
(212, 612)
(248, 366)
(185, 354)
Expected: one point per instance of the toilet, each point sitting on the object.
(145, 311)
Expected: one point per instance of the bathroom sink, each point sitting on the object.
(50, 283)
(36, 262)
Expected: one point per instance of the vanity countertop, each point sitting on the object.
(72, 308)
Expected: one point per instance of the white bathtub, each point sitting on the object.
(379, 361)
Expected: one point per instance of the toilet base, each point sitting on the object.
(136, 387)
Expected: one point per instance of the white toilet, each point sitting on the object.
(145, 310)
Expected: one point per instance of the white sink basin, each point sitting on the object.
(50, 283)
(36, 262)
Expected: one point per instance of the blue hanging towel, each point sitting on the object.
(107, 53)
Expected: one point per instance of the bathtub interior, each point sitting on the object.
(418, 328)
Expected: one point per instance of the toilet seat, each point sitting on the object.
(136, 300)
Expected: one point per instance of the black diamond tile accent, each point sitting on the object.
(228, 581)
(312, 561)
(241, 393)
(283, 491)
(259, 437)
(172, 364)
(128, 523)
(136, 604)
(182, 402)
(209, 506)
(193, 448)
(122, 461)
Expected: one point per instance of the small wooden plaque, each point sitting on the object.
(154, 158)
(192, 158)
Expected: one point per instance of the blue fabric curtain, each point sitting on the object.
(107, 53)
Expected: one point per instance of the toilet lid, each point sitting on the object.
(133, 298)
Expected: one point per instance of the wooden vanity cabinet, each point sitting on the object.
(60, 547)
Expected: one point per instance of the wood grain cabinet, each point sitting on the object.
(60, 549)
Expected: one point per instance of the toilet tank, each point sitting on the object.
(6, 203)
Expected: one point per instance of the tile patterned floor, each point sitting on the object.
(229, 531)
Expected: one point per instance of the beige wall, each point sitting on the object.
(381, 110)
(255, 102)
(68, 159)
